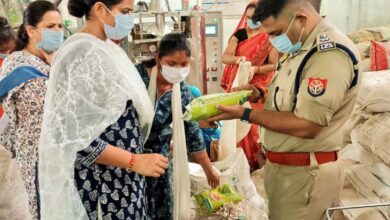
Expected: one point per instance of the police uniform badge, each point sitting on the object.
(316, 86)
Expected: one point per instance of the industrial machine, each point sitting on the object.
(203, 29)
(213, 35)
(204, 32)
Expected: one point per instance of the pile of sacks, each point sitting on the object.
(366, 156)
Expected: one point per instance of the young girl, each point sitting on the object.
(211, 130)
(7, 39)
(172, 67)
(7, 44)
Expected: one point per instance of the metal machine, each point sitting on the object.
(214, 41)
(202, 29)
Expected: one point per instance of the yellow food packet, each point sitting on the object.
(206, 106)
(210, 201)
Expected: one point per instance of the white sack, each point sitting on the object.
(235, 171)
(374, 135)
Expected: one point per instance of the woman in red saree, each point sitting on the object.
(250, 42)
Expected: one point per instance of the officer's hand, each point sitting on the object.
(228, 113)
(255, 96)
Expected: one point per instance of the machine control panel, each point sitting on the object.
(213, 31)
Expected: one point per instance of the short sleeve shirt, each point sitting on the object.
(324, 97)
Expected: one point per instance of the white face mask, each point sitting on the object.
(175, 75)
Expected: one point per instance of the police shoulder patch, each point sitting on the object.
(316, 86)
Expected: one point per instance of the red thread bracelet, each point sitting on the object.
(131, 163)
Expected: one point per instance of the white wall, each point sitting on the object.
(350, 15)
(347, 15)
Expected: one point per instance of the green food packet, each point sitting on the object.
(206, 106)
(210, 201)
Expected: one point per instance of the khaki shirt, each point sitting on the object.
(324, 96)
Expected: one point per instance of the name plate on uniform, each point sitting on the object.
(327, 46)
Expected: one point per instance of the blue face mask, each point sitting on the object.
(284, 45)
(124, 23)
(252, 25)
(51, 40)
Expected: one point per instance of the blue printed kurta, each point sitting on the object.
(159, 191)
(121, 194)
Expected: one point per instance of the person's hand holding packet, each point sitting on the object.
(207, 106)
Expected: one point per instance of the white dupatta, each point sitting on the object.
(90, 83)
(181, 176)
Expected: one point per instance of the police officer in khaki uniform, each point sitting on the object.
(308, 101)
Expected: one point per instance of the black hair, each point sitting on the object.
(7, 34)
(251, 5)
(172, 43)
(81, 8)
(268, 8)
(316, 4)
(32, 16)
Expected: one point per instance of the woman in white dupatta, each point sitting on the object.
(97, 114)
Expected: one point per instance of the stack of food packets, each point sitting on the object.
(210, 201)
(206, 106)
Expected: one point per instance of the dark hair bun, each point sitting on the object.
(78, 8)
(6, 32)
(3, 22)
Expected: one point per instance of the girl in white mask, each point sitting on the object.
(96, 118)
(173, 67)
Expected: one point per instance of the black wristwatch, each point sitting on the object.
(245, 116)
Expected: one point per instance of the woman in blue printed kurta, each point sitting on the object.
(121, 194)
(174, 52)
(93, 131)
